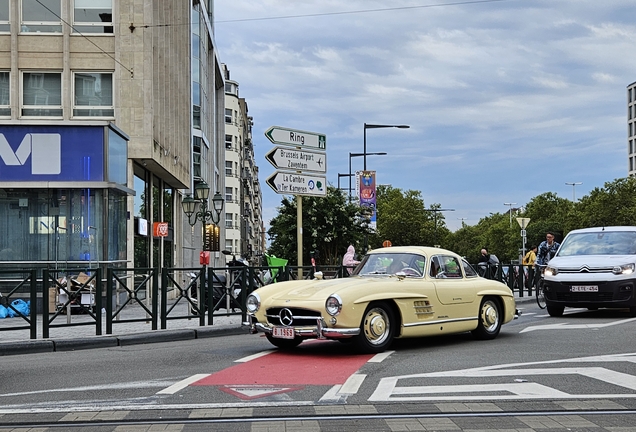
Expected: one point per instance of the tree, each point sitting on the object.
(330, 224)
(403, 219)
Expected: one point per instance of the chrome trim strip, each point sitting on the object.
(320, 331)
(439, 322)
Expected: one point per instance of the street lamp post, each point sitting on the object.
(342, 175)
(376, 126)
(435, 211)
(510, 204)
(352, 155)
(196, 209)
(573, 184)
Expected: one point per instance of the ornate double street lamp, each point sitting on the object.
(196, 209)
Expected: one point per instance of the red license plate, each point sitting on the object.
(283, 332)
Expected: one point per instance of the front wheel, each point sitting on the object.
(540, 293)
(284, 344)
(376, 329)
(489, 320)
(556, 311)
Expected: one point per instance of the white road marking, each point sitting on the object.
(566, 326)
(352, 384)
(388, 389)
(378, 358)
(332, 394)
(183, 384)
(114, 386)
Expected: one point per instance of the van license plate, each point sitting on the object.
(584, 288)
(283, 332)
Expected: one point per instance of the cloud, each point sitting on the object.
(496, 94)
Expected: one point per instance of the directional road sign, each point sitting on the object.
(298, 160)
(289, 183)
(292, 137)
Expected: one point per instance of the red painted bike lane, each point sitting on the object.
(282, 372)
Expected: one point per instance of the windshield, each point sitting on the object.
(412, 265)
(599, 243)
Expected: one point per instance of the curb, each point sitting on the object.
(157, 336)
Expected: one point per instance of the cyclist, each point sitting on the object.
(547, 249)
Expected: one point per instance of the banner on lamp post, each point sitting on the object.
(365, 190)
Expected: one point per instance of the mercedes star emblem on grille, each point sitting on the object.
(286, 317)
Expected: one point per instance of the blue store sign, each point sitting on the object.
(51, 153)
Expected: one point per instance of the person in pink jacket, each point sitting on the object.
(349, 259)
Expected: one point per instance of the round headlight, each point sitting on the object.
(333, 305)
(253, 302)
(551, 271)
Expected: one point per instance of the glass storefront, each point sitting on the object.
(62, 225)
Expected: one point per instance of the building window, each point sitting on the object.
(228, 168)
(5, 104)
(5, 26)
(42, 94)
(228, 194)
(228, 220)
(41, 16)
(93, 94)
(228, 115)
(93, 16)
(228, 245)
(228, 142)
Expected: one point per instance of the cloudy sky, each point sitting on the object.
(505, 99)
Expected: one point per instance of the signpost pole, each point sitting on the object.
(299, 231)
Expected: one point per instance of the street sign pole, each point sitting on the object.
(298, 162)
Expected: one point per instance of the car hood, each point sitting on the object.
(591, 261)
(319, 289)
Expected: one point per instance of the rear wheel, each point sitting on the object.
(284, 344)
(376, 329)
(540, 293)
(556, 311)
(489, 319)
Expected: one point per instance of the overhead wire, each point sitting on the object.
(82, 34)
(467, 2)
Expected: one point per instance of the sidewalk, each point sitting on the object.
(124, 333)
(77, 336)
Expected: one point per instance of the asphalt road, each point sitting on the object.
(541, 374)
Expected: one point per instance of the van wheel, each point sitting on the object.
(556, 311)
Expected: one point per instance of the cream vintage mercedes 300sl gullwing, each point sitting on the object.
(395, 292)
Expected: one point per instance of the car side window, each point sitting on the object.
(445, 266)
(469, 271)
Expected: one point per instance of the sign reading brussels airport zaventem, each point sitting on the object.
(299, 160)
(298, 138)
(51, 153)
(290, 183)
(301, 164)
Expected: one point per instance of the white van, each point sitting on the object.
(594, 268)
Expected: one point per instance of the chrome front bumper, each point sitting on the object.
(320, 331)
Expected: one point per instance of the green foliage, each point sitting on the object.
(330, 224)
(403, 219)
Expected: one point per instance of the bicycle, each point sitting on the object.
(539, 292)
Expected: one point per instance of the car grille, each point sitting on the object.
(587, 297)
(586, 269)
(300, 317)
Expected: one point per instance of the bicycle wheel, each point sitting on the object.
(540, 295)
